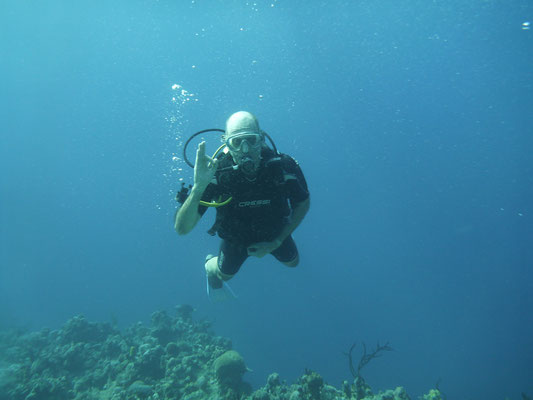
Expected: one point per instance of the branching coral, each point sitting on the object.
(361, 388)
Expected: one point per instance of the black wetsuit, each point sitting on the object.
(258, 210)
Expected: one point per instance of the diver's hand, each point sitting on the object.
(204, 168)
(261, 249)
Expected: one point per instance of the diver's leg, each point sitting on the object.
(225, 265)
(214, 275)
(287, 253)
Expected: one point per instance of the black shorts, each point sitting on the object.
(231, 255)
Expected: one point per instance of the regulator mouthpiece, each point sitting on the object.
(247, 165)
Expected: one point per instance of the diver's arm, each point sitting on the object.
(204, 169)
(263, 248)
(188, 216)
(299, 211)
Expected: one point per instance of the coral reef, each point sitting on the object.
(175, 357)
(434, 394)
(360, 389)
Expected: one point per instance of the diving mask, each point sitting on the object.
(244, 142)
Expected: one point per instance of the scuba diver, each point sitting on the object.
(260, 197)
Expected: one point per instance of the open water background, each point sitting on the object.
(412, 121)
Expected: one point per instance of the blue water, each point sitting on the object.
(412, 121)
